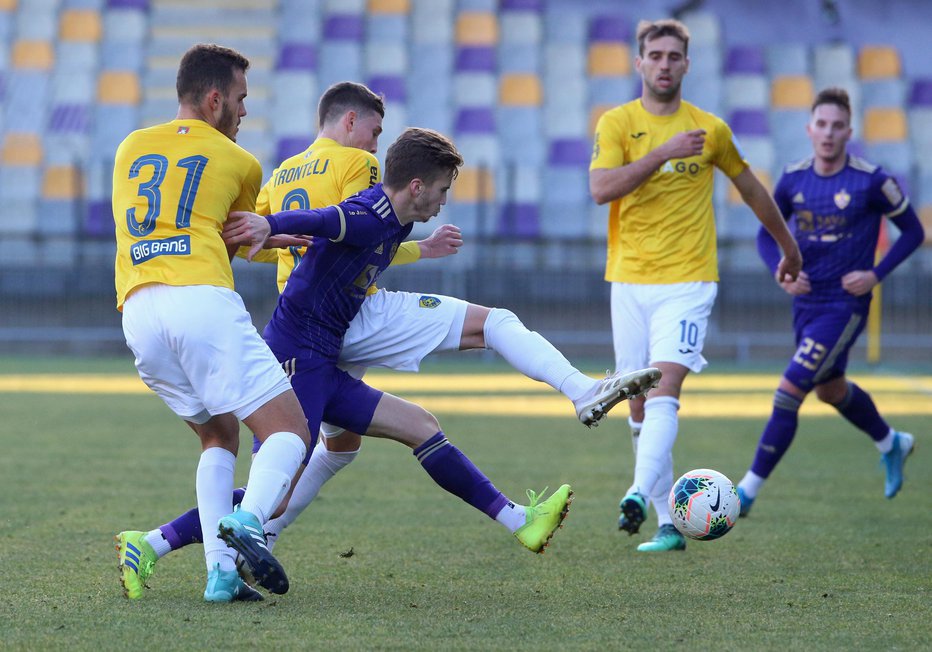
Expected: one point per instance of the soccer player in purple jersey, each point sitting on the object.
(837, 202)
(354, 243)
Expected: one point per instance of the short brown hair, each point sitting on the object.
(648, 30)
(420, 154)
(833, 95)
(347, 96)
(205, 66)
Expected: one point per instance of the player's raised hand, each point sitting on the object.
(246, 229)
(685, 144)
(444, 241)
(796, 287)
(859, 282)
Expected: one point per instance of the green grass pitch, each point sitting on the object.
(823, 563)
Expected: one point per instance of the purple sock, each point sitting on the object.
(457, 474)
(778, 433)
(858, 408)
(186, 529)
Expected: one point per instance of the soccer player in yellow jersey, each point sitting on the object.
(653, 160)
(173, 186)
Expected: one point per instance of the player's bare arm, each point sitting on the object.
(444, 241)
(755, 195)
(607, 185)
(859, 282)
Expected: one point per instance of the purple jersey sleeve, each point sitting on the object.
(350, 223)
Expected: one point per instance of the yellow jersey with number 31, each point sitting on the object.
(173, 186)
(664, 231)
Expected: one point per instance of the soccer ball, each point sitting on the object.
(704, 504)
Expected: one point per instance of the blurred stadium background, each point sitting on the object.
(518, 84)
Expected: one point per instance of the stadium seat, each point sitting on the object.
(27, 98)
(387, 28)
(294, 99)
(746, 91)
(520, 134)
(474, 89)
(33, 55)
(299, 23)
(125, 24)
(519, 58)
(704, 29)
(521, 27)
(879, 62)
(393, 87)
(885, 125)
(745, 60)
(925, 216)
(883, 93)
(37, 21)
(77, 56)
(112, 123)
(519, 221)
(338, 61)
(788, 59)
(609, 60)
(72, 87)
(833, 65)
(613, 90)
(609, 28)
(62, 186)
(21, 150)
(296, 56)
(791, 92)
(920, 130)
(475, 59)
(118, 87)
(432, 22)
(788, 130)
(389, 6)
(80, 25)
(474, 184)
(520, 90)
(476, 28)
(750, 122)
(565, 25)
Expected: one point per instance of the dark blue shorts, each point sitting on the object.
(824, 337)
(329, 394)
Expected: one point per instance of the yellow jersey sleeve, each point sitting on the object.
(608, 145)
(728, 157)
(409, 252)
(174, 185)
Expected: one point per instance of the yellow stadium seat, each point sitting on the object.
(520, 89)
(884, 125)
(734, 197)
(474, 185)
(37, 55)
(62, 182)
(925, 216)
(879, 62)
(791, 92)
(389, 6)
(22, 149)
(80, 25)
(7, 5)
(118, 87)
(595, 113)
(609, 59)
(476, 28)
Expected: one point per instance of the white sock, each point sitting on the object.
(635, 434)
(323, 465)
(655, 443)
(270, 476)
(751, 483)
(512, 516)
(660, 494)
(885, 445)
(532, 355)
(214, 485)
(159, 544)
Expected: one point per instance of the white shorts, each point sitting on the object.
(196, 347)
(661, 323)
(397, 330)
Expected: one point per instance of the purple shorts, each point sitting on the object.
(824, 337)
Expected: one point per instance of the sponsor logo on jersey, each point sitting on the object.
(183, 130)
(842, 199)
(145, 250)
(680, 167)
(427, 301)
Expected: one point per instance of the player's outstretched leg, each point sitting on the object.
(137, 561)
(242, 531)
(592, 407)
(895, 460)
(667, 538)
(543, 519)
(227, 586)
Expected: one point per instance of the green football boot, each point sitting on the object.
(137, 561)
(542, 520)
(667, 538)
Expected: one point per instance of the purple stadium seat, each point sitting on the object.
(296, 56)
(475, 120)
(344, 27)
(521, 5)
(570, 152)
(291, 145)
(70, 118)
(609, 28)
(391, 86)
(745, 59)
(921, 92)
(475, 59)
(519, 221)
(142, 5)
(99, 221)
(749, 122)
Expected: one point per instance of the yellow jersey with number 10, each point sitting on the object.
(664, 231)
(173, 186)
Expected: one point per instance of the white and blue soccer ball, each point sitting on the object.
(704, 504)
